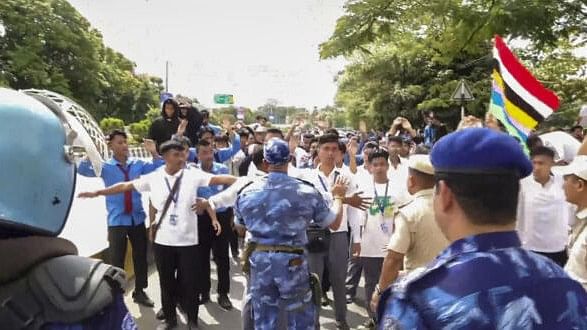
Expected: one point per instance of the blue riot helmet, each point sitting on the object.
(37, 171)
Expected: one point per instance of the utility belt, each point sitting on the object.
(251, 247)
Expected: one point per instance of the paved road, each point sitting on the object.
(214, 317)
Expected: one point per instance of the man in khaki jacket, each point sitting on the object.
(416, 239)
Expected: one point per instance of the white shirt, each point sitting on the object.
(583, 115)
(376, 227)
(302, 157)
(543, 215)
(185, 230)
(564, 145)
(398, 177)
(576, 267)
(350, 216)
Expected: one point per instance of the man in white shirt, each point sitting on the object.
(377, 221)
(398, 170)
(543, 213)
(575, 187)
(335, 255)
(176, 243)
(355, 269)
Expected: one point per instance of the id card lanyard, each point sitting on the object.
(380, 202)
(174, 198)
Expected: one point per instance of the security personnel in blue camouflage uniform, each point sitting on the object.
(483, 279)
(43, 283)
(276, 210)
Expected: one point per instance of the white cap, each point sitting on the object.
(577, 167)
(421, 163)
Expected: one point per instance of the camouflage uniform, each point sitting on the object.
(276, 210)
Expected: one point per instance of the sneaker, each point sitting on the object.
(224, 302)
(141, 298)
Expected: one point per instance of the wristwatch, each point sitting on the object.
(378, 289)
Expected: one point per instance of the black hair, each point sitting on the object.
(533, 141)
(577, 127)
(486, 199)
(422, 150)
(342, 147)
(204, 130)
(327, 138)
(221, 138)
(308, 136)
(370, 145)
(542, 151)
(274, 130)
(116, 132)
(396, 139)
(378, 153)
(205, 113)
(204, 143)
(257, 156)
(261, 117)
(171, 145)
(243, 133)
(184, 140)
(332, 131)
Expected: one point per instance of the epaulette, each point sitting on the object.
(243, 187)
(405, 204)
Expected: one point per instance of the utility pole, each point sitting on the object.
(166, 76)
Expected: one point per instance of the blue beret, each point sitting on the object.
(478, 151)
(276, 151)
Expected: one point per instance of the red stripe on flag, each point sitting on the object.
(524, 77)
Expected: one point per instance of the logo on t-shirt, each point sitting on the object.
(382, 203)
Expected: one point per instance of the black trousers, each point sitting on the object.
(560, 258)
(117, 250)
(219, 247)
(178, 278)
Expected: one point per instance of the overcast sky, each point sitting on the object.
(254, 49)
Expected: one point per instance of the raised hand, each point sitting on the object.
(150, 146)
(340, 187)
(183, 124)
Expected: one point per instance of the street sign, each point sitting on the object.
(223, 99)
(462, 93)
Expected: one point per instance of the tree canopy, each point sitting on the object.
(408, 56)
(47, 44)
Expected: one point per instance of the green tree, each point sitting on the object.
(109, 124)
(140, 130)
(49, 45)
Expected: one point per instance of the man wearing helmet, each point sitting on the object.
(43, 283)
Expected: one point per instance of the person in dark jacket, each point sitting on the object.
(163, 128)
(194, 117)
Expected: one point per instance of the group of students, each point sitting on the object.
(387, 227)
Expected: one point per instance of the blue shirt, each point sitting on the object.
(112, 174)
(216, 129)
(277, 210)
(485, 282)
(209, 191)
(429, 135)
(220, 155)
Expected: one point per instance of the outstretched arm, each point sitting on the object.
(112, 190)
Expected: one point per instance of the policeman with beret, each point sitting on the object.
(483, 279)
(276, 211)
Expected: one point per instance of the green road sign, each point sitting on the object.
(223, 99)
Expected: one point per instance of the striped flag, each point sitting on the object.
(518, 100)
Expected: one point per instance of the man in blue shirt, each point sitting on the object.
(216, 130)
(483, 279)
(277, 210)
(208, 239)
(126, 217)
